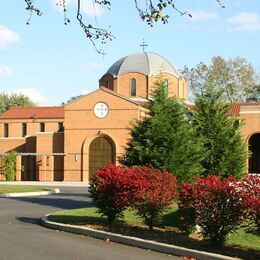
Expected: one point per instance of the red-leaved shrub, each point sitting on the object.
(155, 192)
(249, 189)
(111, 189)
(215, 204)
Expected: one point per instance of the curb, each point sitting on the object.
(29, 194)
(133, 241)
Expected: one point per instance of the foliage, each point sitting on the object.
(14, 100)
(147, 190)
(110, 189)
(217, 205)
(165, 139)
(155, 193)
(235, 77)
(10, 166)
(255, 97)
(224, 147)
(150, 11)
(74, 98)
(250, 192)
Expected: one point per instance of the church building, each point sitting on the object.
(69, 143)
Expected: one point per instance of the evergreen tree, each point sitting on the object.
(224, 147)
(165, 139)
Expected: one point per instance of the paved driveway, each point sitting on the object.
(21, 236)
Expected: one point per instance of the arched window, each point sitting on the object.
(166, 86)
(254, 147)
(133, 87)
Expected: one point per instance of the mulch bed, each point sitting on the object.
(171, 235)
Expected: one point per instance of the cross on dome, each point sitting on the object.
(143, 45)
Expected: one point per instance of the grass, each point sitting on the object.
(90, 215)
(245, 239)
(240, 244)
(21, 188)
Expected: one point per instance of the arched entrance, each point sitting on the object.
(254, 147)
(101, 151)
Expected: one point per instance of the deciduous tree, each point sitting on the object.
(14, 100)
(236, 77)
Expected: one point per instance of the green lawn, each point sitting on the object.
(21, 188)
(89, 216)
(247, 240)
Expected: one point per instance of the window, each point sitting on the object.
(133, 87)
(24, 129)
(6, 130)
(60, 127)
(109, 85)
(166, 86)
(42, 127)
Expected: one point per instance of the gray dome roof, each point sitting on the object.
(147, 63)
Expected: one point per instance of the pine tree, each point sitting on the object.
(165, 139)
(224, 146)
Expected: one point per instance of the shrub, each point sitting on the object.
(155, 192)
(110, 189)
(217, 205)
(249, 189)
(10, 166)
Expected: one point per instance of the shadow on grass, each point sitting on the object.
(79, 220)
(171, 219)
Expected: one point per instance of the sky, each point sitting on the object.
(51, 62)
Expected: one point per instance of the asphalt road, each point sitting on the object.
(22, 237)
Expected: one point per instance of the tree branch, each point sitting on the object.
(151, 11)
(31, 8)
(94, 33)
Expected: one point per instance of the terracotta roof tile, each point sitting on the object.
(235, 108)
(31, 112)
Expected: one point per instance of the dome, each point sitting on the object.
(146, 63)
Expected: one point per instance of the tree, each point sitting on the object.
(74, 98)
(14, 100)
(150, 11)
(255, 97)
(224, 147)
(10, 166)
(165, 139)
(236, 77)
